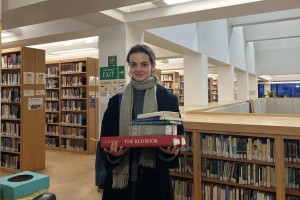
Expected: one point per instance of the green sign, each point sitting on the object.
(111, 73)
(112, 61)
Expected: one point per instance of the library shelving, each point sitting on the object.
(212, 90)
(242, 156)
(169, 80)
(22, 109)
(182, 177)
(180, 87)
(72, 112)
(52, 104)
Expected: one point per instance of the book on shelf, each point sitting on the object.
(157, 118)
(152, 129)
(159, 113)
(144, 141)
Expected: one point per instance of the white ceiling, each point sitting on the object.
(266, 23)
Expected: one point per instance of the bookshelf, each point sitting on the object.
(212, 90)
(242, 155)
(22, 109)
(72, 114)
(169, 80)
(180, 87)
(52, 104)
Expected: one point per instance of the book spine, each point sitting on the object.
(143, 141)
(138, 130)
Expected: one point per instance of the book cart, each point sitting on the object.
(242, 156)
(22, 109)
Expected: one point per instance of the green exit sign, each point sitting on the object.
(111, 73)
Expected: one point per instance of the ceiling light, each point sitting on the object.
(266, 77)
(170, 2)
(84, 50)
(138, 7)
(88, 40)
(67, 43)
(10, 32)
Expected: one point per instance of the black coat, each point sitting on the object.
(152, 184)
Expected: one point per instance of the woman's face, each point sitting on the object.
(140, 66)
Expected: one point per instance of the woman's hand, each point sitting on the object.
(170, 150)
(115, 150)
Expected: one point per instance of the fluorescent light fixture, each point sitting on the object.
(10, 32)
(266, 77)
(138, 7)
(68, 43)
(171, 2)
(88, 40)
(84, 50)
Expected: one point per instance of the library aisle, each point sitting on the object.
(72, 176)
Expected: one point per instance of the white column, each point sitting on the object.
(253, 87)
(242, 85)
(116, 40)
(195, 80)
(225, 83)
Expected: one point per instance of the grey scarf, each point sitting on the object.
(147, 155)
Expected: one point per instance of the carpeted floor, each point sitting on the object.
(72, 176)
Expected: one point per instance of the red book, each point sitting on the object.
(144, 141)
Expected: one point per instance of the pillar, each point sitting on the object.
(225, 83)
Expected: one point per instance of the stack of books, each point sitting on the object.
(156, 129)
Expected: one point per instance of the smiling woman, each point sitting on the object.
(134, 173)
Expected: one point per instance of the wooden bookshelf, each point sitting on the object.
(22, 109)
(268, 135)
(52, 104)
(180, 88)
(75, 105)
(170, 81)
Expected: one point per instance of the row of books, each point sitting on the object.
(10, 111)
(292, 151)
(73, 67)
(73, 119)
(10, 94)
(51, 106)
(52, 95)
(73, 144)
(11, 79)
(52, 84)
(73, 105)
(242, 173)
(291, 197)
(10, 161)
(10, 128)
(52, 71)
(12, 60)
(68, 93)
(52, 118)
(150, 130)
(73, 80)
(52, 130)
(73, 132)
(238, 147)
(292, 178)
(52, 142)
(183, 189)
(185, 165)
(221, 192)
(10, 144)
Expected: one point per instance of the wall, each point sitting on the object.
(237, 48)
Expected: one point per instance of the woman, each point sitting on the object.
(138, 173)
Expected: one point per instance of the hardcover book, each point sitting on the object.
(144, 141)
(154, 130)
(159, 113)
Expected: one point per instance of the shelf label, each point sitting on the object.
(111, 73)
